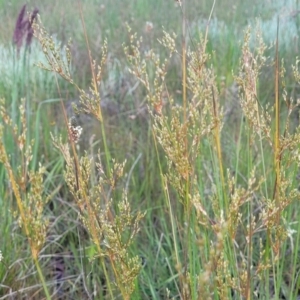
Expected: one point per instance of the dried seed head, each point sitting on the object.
(20, 28)
(23, 29)
(31, 19)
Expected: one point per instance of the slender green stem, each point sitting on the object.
(37, 265)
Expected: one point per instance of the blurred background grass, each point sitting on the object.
(107, 20)
(127, 124)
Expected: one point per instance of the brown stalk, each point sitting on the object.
(277, 151)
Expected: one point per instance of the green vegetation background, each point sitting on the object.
(129, 135)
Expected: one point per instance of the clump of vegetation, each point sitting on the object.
(200, 200)
(231, 238)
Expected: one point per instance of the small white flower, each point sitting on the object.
(74, 130)
(148, 27)
(1, 257)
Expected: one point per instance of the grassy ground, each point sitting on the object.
(205, 206)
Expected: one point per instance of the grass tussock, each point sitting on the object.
(189, 190)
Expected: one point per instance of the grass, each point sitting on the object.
(175, 177)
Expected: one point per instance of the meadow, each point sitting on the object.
(149, 150)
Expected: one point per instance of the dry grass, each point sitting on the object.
(198, 201)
